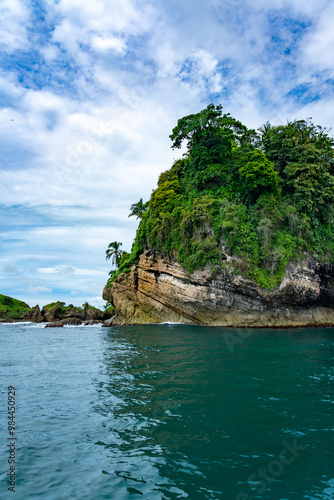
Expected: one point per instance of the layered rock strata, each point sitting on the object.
(159, 289)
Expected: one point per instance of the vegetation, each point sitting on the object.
(265, 197)
(108, 308)
(52, 305)
(114, 252)
(11, 309)
(138, 209)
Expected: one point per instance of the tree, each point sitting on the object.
(138, 209)
(114, 253)
(196, 127)
(284, 144)
(258, 173)
(212, 138)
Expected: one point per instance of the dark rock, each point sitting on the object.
(93, 314)
(53, 313)
(34, 315)
(72, 312)
(92, 322)
(56, 324)
(108, 314)
(109, 322)
(71, 321)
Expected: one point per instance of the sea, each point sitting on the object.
(166, 411)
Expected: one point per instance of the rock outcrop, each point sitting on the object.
(12, 310)
(34, 314)
(53, 313)
(55, 324)
(159, 289)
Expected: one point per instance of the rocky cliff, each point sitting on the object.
(159, 289)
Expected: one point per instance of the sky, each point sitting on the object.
(89, 94)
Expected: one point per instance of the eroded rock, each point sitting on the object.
(71, 321)
(159, 289)
(34, 315)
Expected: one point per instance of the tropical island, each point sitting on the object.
(239, 231)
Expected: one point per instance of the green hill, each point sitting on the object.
(11, 309)
(264, 196)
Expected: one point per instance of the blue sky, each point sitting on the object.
(89, 93)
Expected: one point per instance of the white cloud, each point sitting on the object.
(318, 48)
(49, 52)
(107, 44)
(14, 16)
(66, 270)
(39, 289)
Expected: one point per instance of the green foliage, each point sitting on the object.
(138, 209)
(114, 252)
(86, 306)
(52, 305)
(12, 309)
(109, 309)
(259, 173)
(266, 196)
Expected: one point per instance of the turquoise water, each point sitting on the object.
(167, 412)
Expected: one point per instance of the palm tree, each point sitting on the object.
(138, 209)
(113, 252)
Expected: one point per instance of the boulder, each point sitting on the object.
(92, 322)
(71, 321)
(56, 324)
(93, 314)
(109, 322)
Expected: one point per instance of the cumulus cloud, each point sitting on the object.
(317, 53)
(15, 20)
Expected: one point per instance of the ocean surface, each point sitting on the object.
(167, 412)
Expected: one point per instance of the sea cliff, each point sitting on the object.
(159, 289)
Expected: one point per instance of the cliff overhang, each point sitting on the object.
(159, 289)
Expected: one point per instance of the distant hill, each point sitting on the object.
(12, 309)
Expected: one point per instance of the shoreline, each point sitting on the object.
(171, 323)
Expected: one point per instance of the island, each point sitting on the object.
(55, 314)
(239, 231)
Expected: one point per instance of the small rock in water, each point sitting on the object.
(54, 325)
(109, 322)
(72, 321)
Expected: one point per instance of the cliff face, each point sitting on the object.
(159, 289)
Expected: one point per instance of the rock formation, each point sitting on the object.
(159, 289)
(34, 314)
(12, 310)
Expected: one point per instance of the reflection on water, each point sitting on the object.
(168, 411)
